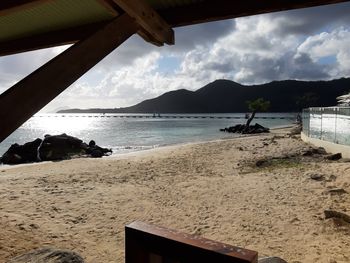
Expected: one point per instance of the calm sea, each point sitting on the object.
(127, 133)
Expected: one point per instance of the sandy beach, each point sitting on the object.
(214, 189)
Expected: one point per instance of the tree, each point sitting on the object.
(256, 105)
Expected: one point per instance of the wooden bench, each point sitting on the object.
(146, 243)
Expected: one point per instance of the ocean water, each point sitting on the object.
(128, 132)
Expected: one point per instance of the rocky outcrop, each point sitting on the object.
(243, 129)
(25, 153)
(333, 157)
(48, 255)
(52, 148)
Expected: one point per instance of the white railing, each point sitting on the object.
(329, 124)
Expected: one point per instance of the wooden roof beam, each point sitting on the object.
(154, 28)
(28, 96)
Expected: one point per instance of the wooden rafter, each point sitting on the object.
(28, 96)
(154, 28)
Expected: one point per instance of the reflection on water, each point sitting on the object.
(131, 134)
(61, 124)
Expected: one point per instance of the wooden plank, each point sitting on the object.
(209, 10)
(51, 39)
(200, 12)
(9, 6)
(149, 20)
(31, 94)
(145, 243)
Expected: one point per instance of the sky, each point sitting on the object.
(305, 44)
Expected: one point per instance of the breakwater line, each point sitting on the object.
(161, 116)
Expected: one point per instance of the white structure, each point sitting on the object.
(344, 100)
(328, 127)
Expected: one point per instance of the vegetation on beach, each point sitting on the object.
(257, 105)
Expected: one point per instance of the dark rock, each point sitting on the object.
(307, 153)
(52, 148)
(25, 153)
(260, 163)
(317, 177)
(336, 214)
(48, 255)
(337, 191)
(314, 151)
(271, 260)
(319, 150)
(96, 153)
(60, 147)
(241, 128)
(333, 157)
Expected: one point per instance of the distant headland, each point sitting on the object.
(223, 96)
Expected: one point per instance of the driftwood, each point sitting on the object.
(336, 214)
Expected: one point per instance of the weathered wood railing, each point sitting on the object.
(146, 243)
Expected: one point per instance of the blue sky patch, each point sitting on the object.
(332, 59)
(168, 64)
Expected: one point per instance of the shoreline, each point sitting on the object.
(211, 189)
(282, 128)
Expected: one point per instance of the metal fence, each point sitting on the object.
(329, 124)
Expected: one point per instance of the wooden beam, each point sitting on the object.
(208, 10)
(149, 20)
(146, 243)
(110, 6)
(24, 99)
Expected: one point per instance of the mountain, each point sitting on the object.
(227, 96)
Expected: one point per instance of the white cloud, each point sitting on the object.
(258, 49)
(14, 68)
(335, 43)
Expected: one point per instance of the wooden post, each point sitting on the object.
(24, 99)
